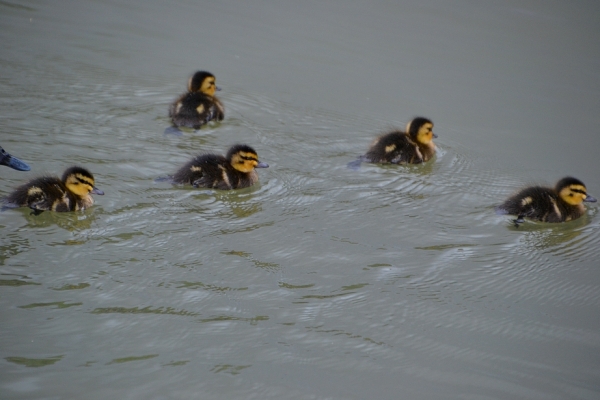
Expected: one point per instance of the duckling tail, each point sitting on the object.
(354, 165)
(168, 178)
(173, 130)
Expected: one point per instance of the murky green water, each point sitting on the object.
(321, 282)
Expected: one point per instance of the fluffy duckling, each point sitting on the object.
(199, 105)
(559, 204)
(234, 171)
(411, 147)
(72, 192)
(12, 161)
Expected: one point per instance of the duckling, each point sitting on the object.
(411, 147)
(559, 204)
(199, 105)
(234, 171)
(12, 161)
(47, 193)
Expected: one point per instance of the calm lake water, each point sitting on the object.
(320, 282)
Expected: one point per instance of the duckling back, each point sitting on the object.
(396, 148)
(205, 167)
(538, 203)
(192, 110)
(45, 193)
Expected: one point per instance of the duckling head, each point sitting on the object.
(203, 81)
(243, 158)
(573, 191)
(80, 181)
(421, 130)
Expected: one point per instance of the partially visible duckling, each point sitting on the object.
(199, 105)
(559, 204)
(397, 147)
(70, 193)
(12, 161)
(234, 171)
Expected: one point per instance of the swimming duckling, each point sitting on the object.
(12, 161)
(72, 192)
(411, 147)
(199, 105)
(559, 204)
(234, 171)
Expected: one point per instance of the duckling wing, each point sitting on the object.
(536, 203)
(193, 110)
(395, 148)
(202, 183)
(48, 196)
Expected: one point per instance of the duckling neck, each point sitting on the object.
(427, 150)
(85, 201)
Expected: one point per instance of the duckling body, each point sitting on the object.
(12, 161)
(414, 146)
(234, 171)
(199, 105)
(70, 193)
(559, 204)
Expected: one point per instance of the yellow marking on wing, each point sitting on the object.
(556, 210)
(527, 200)
(390, 148)
(194, 168)
(224, 175)
(34, 190)
(200, 108)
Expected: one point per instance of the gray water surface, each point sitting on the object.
(320, 282)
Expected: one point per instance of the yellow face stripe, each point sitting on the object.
(573, 194)
(79, 184)
(208, 86)
(425, 133)
(244, 161)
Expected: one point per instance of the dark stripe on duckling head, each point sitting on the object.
(203, 81)
(572, 191)
(412, 128)
(244, 158)
(196, 80)
(79, 181)
(240, 148)
(568, 181)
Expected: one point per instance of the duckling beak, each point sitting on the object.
(434, 136)
(590, 199)
(218, 88)
(97, 191)
(262, 165)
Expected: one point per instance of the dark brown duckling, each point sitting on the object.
(411, 147)
(234, 171)
(199, 105)
(559, 204)
(48, 193)
(12, 161)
